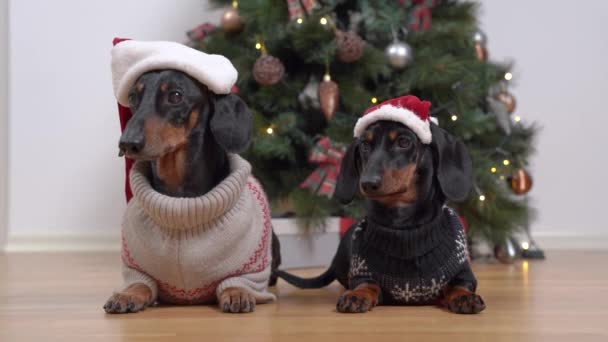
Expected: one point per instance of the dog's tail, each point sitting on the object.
(308, 283)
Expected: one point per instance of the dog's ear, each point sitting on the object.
(347, 184)
(454, 168)
(231, 123)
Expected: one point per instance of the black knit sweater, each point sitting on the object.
(411, 265)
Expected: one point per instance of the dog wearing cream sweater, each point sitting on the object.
(198, 228)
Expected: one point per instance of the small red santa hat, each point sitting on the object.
(131, 59)
(408, 110)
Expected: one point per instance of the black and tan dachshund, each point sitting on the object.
(186, 131)
(410, 248)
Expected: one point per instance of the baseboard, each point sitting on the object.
(551, 240)
(287, 229)
(111, 242)
(63, 243)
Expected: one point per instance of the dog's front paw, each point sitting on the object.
(470, 303)
(135, 298)
(236, 300)
(355, 301)
(123, 303)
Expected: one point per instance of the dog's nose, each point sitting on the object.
(371, 185)
(131, 147)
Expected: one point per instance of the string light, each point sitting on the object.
(258, 46)
(525, 245)
(482, 198)
(493, 170)
(235, 4)
(270, 130)
(299, 20)
(517, 118)
(506, 162)
(508, 76)
(454, 117)
(374, 100)
(323, 21)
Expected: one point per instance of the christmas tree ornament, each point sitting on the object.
(309, 97)
(421, 15)
(328, 155)
(479, 37)
(506, 252)
(349, 46)
(268, 70)
(502, 116)
(200, 32)
(231, 21)
(329, 97)
(300, 8)
(480, 40)
(508, 100)
(481, 52)
(521, 182)
(399, 54)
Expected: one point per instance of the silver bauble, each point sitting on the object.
(506, 252)
(480, 38)
(399, 54)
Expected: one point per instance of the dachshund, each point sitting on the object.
(410, 249)
(185, 132)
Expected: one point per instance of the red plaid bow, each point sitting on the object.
(329, 156)
(297, 8)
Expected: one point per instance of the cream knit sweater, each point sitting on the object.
(188, 250)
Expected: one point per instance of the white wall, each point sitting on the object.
(66, 178)
(561, 73)
(3, 119)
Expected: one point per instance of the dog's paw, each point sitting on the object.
(470, 303)
(124, 303)
(133, 299)
(236, 300)
(355, 301)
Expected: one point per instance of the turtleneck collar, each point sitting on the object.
(407, 242)
(182, 213)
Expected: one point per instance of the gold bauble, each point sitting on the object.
(231, 21)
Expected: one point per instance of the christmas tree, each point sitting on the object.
(309, 68)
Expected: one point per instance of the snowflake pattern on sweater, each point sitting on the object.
(424, 286)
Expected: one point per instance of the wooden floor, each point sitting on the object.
(59, 298)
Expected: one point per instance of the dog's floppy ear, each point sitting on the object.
(231, 123)
(347, 184)
(454, 168)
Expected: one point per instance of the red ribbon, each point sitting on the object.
(329, 156)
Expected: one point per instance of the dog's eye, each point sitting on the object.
(404, 142)
(175, 97)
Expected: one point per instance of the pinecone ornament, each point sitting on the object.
(268, 70)
(349, 46)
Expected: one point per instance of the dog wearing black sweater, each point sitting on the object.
(410, 249)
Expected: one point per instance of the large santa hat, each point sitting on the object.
(408, 110)
(131, 59)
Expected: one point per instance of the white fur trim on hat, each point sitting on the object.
(391, 113)
(131, 59)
